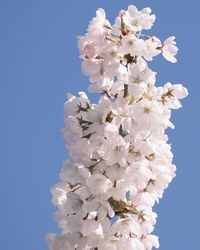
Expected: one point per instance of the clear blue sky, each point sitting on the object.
(39, 63)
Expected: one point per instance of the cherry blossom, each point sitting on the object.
(120, 161)
(169, 49)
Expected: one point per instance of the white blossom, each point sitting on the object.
(169, 49)
(138, 20)
(119, 160)
(132, 45)
(99, 184)
(152, 45)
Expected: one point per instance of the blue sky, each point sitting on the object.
(39, 64)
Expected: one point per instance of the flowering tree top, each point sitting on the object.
(119, 160)
(117, 52)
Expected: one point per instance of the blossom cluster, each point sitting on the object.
(119, 160)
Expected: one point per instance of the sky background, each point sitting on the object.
(39, 64)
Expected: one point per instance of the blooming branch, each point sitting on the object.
(119, 160)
